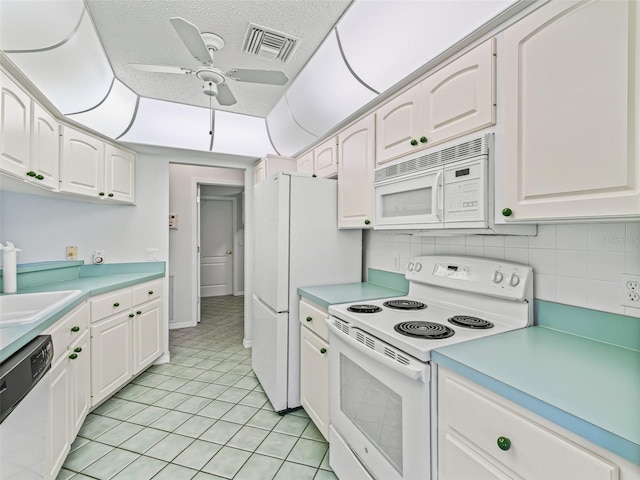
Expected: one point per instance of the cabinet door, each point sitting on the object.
(460, 98)
(58, 432)
(356, 151)
(45, 148)
(326, 159)
(305, 163)
(110, 356)
(81, 164)
(147, 334)
(15, 128)
(119, 174)
(571, 130)
(398, 123)
(314, 379)
(80, 383)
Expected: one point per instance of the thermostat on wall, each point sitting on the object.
(173, 221)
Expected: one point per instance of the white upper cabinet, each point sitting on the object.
(30, 138)
(322, 161)
(93, 168)
(45, 148)
(82, 163)
(305, 163)
(326, 159)
(270, 165)
(571, 130)
(456, 100)
(119, 174)
(15, 131)
(356, 153)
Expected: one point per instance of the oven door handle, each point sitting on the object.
(410, 371)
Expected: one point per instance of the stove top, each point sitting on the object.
(450, 300)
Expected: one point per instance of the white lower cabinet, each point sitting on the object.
(482, 435)
(69, 391)
(126, 336)
(314, 365)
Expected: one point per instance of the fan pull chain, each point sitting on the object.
(210, 110)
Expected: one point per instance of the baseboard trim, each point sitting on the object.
(173, 326)
(246, 343)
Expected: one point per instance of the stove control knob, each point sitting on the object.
(497, 276)
(410, 267)
(514, 280)
(418, 267)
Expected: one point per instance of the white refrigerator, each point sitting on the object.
(297, 244)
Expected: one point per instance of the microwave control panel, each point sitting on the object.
(464, 190)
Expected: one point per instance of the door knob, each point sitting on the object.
(229, 252)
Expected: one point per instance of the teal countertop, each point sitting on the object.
(380, 284)
(589, 387)
(326, 295)
(91, 280)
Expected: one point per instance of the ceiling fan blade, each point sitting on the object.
(225, 96)
(269, 77)
(159, 68)
(192, 39)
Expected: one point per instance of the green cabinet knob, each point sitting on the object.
(414, 142)
(504, 443)
(77, 349)
(101, 194)
(31, 174)
(309, 319)
(423, 139)
(40, 177)
(367, 222)
(131, 315)
(323, 351)
(111, 194)
(139, 312)
(75, 329)
(507, 212)
(150, 292)
(73, 356)
(116, 304)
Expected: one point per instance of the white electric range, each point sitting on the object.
(379, 370)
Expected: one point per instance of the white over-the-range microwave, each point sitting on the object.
(445, 189)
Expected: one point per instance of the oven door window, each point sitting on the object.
(373, 408)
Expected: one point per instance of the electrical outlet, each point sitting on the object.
(396, 262)
(630, 290)
(151, 254)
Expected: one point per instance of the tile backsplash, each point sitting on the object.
(575, 264)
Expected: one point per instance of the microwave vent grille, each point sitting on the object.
(456, 153)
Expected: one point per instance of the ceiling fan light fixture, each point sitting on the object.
(211, 89)
(210, 74)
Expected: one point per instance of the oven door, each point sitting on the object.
(410, 201)
(379, 407)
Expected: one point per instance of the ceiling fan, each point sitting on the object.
(202, 46)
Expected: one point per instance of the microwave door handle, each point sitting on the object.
(439, 195)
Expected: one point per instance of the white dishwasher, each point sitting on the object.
(24, 407)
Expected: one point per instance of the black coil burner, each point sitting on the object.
(467, 321)
(364, 308)
(428, 330)
(404, 305)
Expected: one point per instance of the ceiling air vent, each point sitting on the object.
(269, 44)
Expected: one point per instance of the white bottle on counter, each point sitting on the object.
(9, 268)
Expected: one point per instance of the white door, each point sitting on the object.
(216, 247)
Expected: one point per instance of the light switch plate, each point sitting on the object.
(151, 254)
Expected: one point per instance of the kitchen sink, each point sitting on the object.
(21, 308)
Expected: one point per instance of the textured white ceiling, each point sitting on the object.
(137, 31)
